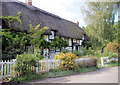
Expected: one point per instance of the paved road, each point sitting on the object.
(103, 75)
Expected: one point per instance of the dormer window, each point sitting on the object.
(52, 35)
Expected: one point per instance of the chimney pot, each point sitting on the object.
(77, 23)
(28, 2)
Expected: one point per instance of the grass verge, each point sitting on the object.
(51, 74)
(112, 64)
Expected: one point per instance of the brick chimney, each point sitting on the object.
(77, 23)
(28, 2)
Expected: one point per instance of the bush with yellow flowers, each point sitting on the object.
(67, 60)
(59, 56)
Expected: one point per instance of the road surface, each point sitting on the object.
(103, 75)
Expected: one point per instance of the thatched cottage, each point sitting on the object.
(58, 26)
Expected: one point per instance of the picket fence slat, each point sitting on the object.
(2, 70)
(8, 69)
(5, 69)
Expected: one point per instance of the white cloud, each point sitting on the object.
(67, 9)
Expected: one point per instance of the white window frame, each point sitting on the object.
(53, 35)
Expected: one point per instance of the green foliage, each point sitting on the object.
(12, 42)
(100, 20)
(113, 55)
(58, 43)
(65, 51)
(87, 43)
(112, 64)
(27, 77)
(35, 34)
(51, 74)
(84, 51)
(10, 19)
(78, 53)
(45, 44)
(15, 42)
(24, 61)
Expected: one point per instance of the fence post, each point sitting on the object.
(37, 67)
(53, 64)
(8, 68)
(5, 69)
(41, 65)
(13, 67)
(102, 62)
(2, 70)
(48, 65)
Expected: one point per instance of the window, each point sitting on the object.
(83, 37)
(70, 42)
(77, 41)
(74, 40)
(80, 42)
(53, 34)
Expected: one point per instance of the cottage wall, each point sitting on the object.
(70, 48)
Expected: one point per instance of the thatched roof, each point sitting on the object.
(33, 15)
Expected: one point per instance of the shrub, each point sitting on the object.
(54, 70)
(65, 51)
(59, 56)
(111, 47)
(112, 55)
(67, 61)
(78, 53)
(27, 77)
(87, 43)
(84, 50)
(25, 62)
(90, 63)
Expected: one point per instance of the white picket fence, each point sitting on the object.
(8, 67)
(46, 65)
(105, 60)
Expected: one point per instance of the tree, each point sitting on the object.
(100, 19)
(36, 35)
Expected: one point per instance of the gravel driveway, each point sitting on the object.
(103, 75)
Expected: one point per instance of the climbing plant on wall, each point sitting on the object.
(58, 43)
(15, 42)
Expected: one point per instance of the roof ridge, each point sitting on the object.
(43, 11)
(36, 8)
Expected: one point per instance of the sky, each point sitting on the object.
(67, 9)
